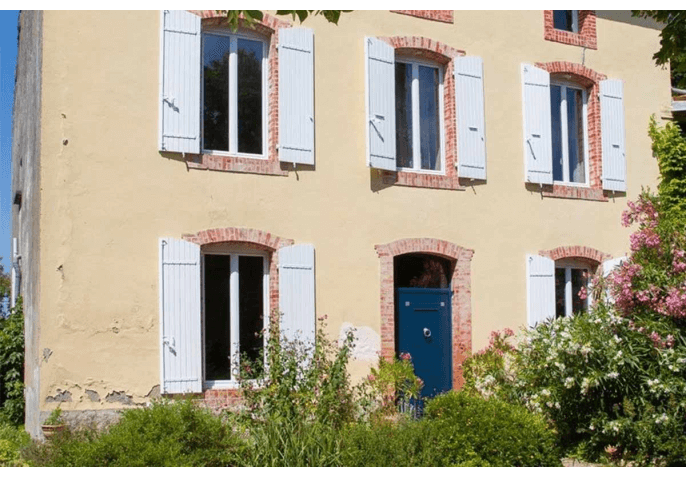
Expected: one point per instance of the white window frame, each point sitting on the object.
(565, 133)
(568, 265)
(235, 252)
(416, 120)
(233, 92)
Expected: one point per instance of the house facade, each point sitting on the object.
(425, 177)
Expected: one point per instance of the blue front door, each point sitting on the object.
(424, 332)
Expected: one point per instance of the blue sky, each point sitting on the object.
(8, 60)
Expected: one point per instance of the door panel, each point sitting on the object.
(424, 331)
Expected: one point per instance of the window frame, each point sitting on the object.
(568, 265)
(235, 252)
(564, 126)
(416, 120)
(233, 92)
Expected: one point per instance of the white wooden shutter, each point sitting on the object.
(612, 130)
(180, 82)
(296, 292)
(469, 104)
(538, 147)
(608, 266)
(296, 95)
(540, 272)
(181, 347)
(380, 72)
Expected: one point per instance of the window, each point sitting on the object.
(234, 79)
(567, 20)
(568, 106)
(418, 116)
(235, 301)
(571, 288)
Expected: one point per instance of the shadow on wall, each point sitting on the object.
(624, 16)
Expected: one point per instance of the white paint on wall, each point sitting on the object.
(367, 343)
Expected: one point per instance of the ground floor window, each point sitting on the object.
(235, 285)
(571, 288)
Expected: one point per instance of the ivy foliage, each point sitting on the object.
(12, 366)
(669, 147)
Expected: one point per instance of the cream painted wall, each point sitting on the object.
(108, 194)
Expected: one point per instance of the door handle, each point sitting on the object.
(427, 333)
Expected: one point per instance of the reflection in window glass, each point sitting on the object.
(251, 306)
(579, 280)
(249, 101)
(216, 93)
(555, 102)
(562, 20)
(575, 135)
(429, 118)
(403, 114)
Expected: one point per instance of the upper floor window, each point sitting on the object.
(567, 20)
(234, 93)
(568, 105)
(418, 116)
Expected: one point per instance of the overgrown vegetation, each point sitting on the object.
(12, 441)
(12, 366)
(613, 380)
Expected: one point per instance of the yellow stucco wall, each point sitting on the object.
(108, 194)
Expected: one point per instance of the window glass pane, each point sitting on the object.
(555, 121)
(403, 114)
(429, 118)
(562, 20)
(559, 292)
(421, 270)
(249, 96)
(216, 92)
(217, 317)
(251, 306)
(579, 280)
(575, 135)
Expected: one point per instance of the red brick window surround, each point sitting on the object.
(590, 80)
(594, 256)
(442, 54)
(445, 16)
(586, 37)
(256, 239)
(461, 301)
(267, 27)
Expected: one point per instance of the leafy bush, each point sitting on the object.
(491, 372)
(458, 430)
(165, 434)
(12, 440)
(12, 366)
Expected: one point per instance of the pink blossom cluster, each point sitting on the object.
(621, 285)
(678, 260)
(674, 304)
(405, 356)
(497, 341)
(642, 211)
(583, 293)
(658, 341)
(645, 237)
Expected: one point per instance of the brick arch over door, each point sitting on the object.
(461, 301)
(254, 238)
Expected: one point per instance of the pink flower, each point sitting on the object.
(371, 377)
(405, 356)
(583, 293)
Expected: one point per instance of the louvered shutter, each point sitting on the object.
(296, 95)
(180, 82)
(538, 148)
(612, 130)
(296, 292)
(540, 272)
(180, 321)
(469, 104)
(611, 264)
(380, 72)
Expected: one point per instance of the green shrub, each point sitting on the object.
(165, 434)
(12, 440)
(12, 366)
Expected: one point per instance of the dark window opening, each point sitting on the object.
(217, 317)
(563, 20)
(422, 270)
(251, 306)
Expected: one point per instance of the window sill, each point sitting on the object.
(571, 38)
(421, 180)
(574, 192)
(241, 164)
